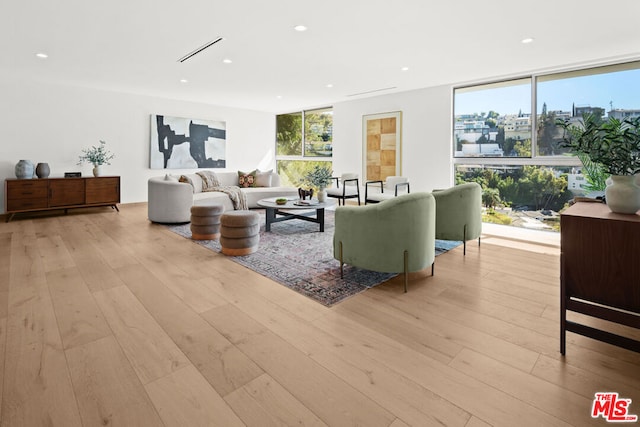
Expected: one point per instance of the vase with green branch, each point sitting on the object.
(608, 147)
(319, 178)
(97, 156)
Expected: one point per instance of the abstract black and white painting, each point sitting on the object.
(179, 143)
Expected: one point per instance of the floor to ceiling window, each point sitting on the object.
(506, 137)
(303, 140)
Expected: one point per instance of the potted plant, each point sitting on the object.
(97, 156)
(615, 145)
(319, 178)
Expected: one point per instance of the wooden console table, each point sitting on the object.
(28, 195)
(600, 272)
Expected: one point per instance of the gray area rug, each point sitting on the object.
(296, 255)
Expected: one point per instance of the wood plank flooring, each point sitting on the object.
(107, 319)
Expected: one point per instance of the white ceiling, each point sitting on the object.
(356, 45)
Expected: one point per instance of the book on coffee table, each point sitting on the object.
(305, 202)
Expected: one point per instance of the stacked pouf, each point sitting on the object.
(205, 221)
(239, 232)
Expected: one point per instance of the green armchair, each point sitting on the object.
(394, 236)
(459, 213)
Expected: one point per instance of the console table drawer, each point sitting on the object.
(27, 189)
(26, 204)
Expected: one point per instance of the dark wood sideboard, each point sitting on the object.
(600, 272)
(28, 195)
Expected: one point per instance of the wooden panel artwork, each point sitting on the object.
(382, 144)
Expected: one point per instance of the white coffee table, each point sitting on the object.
(274, 211)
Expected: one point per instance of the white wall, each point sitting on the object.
(51, 123)
(426, 135)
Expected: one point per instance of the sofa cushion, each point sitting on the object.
(247, 179)
(263, 178)
(253, 195)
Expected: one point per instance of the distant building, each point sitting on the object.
(579, 111)
(621, 114)
(576, 183)
(480, 150)
(517, 127)
(471, 130)
(563, 115)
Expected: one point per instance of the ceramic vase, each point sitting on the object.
(322, 195)
(97, 170)
(24, 169)
(623, 195)
(42, 170)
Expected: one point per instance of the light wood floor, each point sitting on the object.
(106, 319)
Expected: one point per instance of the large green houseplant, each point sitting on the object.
(615, 146)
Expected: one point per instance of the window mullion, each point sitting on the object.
(304, 133)
(534, 118)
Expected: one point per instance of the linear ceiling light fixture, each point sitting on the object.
(200, 49)
(373, 91)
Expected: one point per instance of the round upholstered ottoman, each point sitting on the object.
(239, 232)
(205, 221)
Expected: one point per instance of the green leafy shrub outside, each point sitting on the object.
(496, 217)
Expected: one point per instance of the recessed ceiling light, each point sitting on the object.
(329, 85)
(227, 61)
(527, 40)
(184, 81)
(404, 68)
(279, 97)
(300, 28)
(42, 55)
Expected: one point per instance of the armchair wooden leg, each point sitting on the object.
(433, 264)
(406, 272)
(478, 241)
(341, 263)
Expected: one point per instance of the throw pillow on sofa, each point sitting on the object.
(247, 179)
(263, 178)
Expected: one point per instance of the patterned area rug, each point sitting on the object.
(296, 255)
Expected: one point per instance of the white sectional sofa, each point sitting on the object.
(170, 201)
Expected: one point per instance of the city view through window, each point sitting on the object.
(506, 137)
